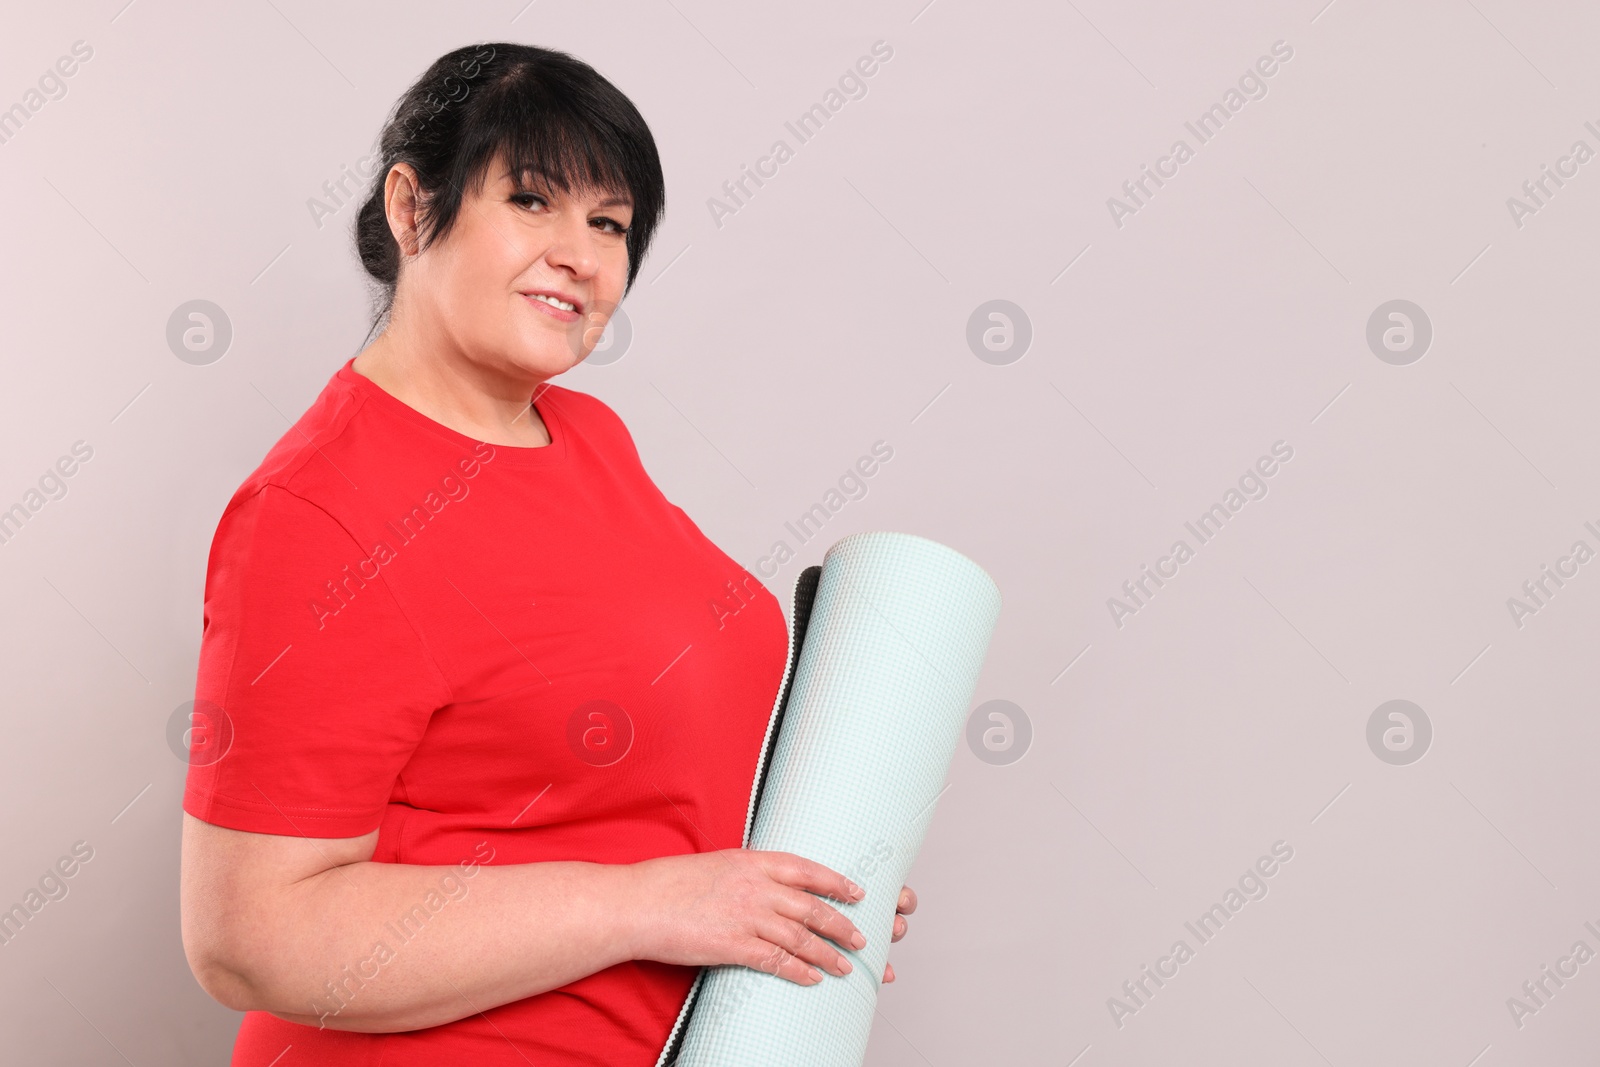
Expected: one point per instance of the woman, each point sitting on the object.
(485, 707)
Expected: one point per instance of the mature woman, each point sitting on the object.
(484, 708)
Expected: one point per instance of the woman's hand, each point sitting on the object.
(744, 906)
(904, 906)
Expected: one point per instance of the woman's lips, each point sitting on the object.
(551, 310)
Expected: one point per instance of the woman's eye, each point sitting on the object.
(611, 226)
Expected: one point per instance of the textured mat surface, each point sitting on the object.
(861, 739)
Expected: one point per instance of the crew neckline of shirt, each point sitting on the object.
(519, 455)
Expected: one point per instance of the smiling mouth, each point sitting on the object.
(565, 312)
(553, 302)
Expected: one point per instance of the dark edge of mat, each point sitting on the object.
(805, 595)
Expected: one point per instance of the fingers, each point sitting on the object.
(811, 876)
(820, 920)
(904, 906)
(794, 938)
(777, 960)
(799, 942)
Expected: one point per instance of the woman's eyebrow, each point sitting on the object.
(517, 176)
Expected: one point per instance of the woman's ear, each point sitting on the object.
(402, 201)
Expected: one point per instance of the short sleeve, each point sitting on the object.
(313, 688)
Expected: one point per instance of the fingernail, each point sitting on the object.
(844, 966)
(858, 940)
(856, 891)
(816, 975)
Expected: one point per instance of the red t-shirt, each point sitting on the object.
(489, 655)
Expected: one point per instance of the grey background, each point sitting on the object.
(831, 311)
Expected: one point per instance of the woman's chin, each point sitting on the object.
(545, 357)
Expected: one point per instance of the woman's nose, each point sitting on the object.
(572, 245)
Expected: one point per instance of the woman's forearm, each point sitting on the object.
(383, 947)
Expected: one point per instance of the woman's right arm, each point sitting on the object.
(311, 930)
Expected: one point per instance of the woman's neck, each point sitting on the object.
(468, 398)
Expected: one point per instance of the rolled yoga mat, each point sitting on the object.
(886, 646)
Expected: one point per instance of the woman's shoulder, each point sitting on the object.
(588, 415)
(573, 402)
(313, 458)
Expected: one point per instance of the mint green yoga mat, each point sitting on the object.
(860, 741)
